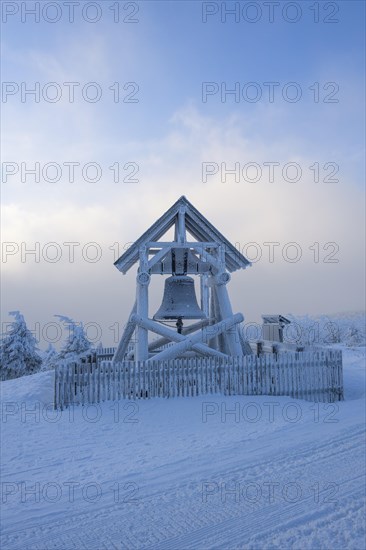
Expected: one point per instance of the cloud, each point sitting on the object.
(171, 165)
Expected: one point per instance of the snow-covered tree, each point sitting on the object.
(49, 359)
(18, 350)
(77, 344)
(343, 328)
(302, 330)
(331, 332)
(355, 335)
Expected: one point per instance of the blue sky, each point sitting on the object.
(169, 133)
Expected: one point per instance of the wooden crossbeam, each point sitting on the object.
(164, 340)
(192, 244)
(159, 256)
(189, 342)
(207, 257)
(174, 336)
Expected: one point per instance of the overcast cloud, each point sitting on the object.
(170, 142)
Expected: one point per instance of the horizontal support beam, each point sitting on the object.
(148, 324)
(157, 269)
(170, 244)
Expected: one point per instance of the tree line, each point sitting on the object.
(20, 355)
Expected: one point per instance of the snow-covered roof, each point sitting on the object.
(275, 319)
(196, 224)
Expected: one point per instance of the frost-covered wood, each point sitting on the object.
(313, 376)
(197, 226)
(211, 257)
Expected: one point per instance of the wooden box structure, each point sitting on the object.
(198, 250)
(273, 326)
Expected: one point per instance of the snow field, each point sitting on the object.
(205, 472)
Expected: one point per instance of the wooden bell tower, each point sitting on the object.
(198, 249)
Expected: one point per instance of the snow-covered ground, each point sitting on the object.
(184, 473)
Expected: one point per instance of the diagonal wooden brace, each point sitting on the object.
(126, 337)
(189, 342)
(159, 256)
(164, 340)
(148, 324)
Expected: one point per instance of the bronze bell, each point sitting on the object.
(179, 300)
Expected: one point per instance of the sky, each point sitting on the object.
(256, 116)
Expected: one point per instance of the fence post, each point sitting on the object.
(55, 390)
(340, 376)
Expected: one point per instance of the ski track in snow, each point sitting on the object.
(170, 512)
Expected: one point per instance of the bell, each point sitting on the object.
(179, 300)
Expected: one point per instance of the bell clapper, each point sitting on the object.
(179, 325)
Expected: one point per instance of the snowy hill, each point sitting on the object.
(205, 472)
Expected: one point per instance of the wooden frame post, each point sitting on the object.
(231, 336)
(142, 306)
(205, 298)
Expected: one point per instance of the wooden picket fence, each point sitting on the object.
(313, 376)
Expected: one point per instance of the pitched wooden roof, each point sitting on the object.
(196, 224)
